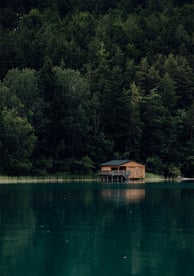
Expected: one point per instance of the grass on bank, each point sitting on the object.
(154, 177)
(49, 179)
(64, 178)
(149, 177)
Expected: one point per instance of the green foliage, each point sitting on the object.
(167, 90)
(172, 171)
(23, 84)
(66, 112)
(85, 166)
(86, 81)
(17, 141)
(188, 165)
(154, 164)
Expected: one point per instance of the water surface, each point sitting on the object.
(94, 229)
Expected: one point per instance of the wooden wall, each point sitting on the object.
(137, 170)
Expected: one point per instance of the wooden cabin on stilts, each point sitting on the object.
(121, 171)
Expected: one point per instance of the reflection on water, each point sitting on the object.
(63, 230)
(125, 195)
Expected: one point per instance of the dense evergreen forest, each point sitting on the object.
(85, 81)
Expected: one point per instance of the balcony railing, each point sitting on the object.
(115, 173)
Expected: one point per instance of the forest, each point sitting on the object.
(83, 82)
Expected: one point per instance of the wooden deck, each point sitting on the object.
(114, 175)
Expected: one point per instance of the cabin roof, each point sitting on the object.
(115, 162)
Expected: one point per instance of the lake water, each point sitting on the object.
(94, 230)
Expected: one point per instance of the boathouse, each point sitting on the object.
(121, 171)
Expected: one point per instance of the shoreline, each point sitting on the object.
(47, 180)
(37, 180)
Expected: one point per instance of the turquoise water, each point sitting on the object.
(94, 229)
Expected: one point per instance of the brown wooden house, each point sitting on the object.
(121, 170)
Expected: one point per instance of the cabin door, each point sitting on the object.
(122, 168)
